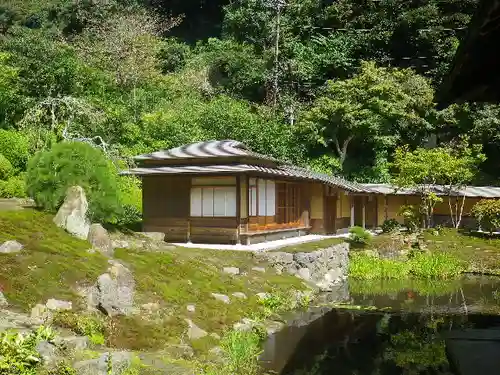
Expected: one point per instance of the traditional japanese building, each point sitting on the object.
(222, 192)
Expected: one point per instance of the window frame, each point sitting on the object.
(211, 190)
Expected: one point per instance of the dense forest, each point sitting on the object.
(335, 85)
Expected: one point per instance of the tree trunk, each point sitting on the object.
(459, 218)
(342, 151)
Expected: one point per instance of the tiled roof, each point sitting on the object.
(209, 149)
(284, 171)
(470, 191)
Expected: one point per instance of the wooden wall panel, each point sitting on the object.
(345, 200)
(381, 208)
(317, 201)
(165, 196)
(394, 203)
(305, 203)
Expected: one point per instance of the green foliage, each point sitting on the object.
(371, 267)
(48, 66)
(130, 198)
(14, 146)
(367, 107)
(276, 302)
(85, 325)
(411, 216)
(9, 89)
(62, 368)
(359, 236)
(436, 266)
(51, 173)
(241, 350)
(424, 265)
(18, 354)
(234, 67)
(13, 187)
(390, 225)
(453, 166)
(6, 168)
(487, 213)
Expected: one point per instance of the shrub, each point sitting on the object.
(130, 198)
(6, 168)
(15, 148)
(390, 225)
(14, 187)
(487, 213)
(436, 265)
(411, 217)
(18, 354)
(51, 173)
(359, 236)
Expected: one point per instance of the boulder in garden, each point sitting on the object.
(114, 291)
(11, 246)
(72, 215)
(99, 239)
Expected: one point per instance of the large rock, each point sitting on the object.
(114, 291)
(3, 300)
(9, 247)
(48, 352)
(72, 215)
(117, 362)
(18, 321)
(194, 332)
(100, 240)
(324, 268)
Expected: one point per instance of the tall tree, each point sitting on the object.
(380, 105)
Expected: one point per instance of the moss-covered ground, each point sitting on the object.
(308, 247)
(480, 252)
(53, 264)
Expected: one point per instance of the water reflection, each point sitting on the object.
(466, 295)
(406, 340)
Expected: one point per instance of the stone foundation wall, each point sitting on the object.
(325, 268)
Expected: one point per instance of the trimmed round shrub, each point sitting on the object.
(6, 169)
(14, 145)
(359, 236)
(50, 173)
(390, 225)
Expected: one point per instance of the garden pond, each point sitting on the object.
(384, 327)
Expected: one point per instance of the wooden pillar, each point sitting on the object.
(386, 207)
(352, 210)
(238, 209)
(248, 203)
(363, 211)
